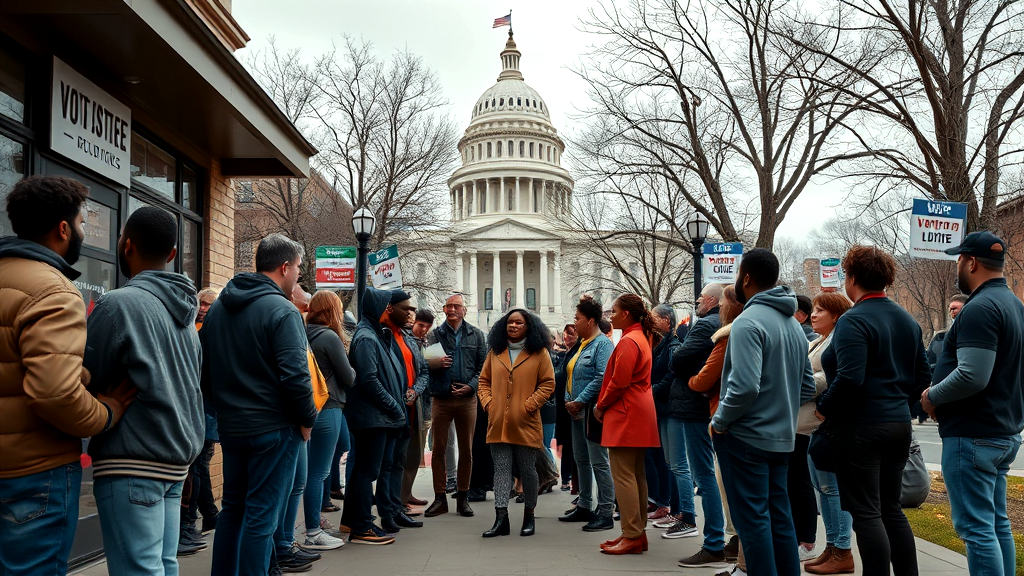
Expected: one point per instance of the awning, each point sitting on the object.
(162, 60)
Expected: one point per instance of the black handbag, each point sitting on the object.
(594, 429)
(819, 451)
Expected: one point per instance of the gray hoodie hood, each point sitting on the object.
(781, 298)
(14, 247)
(175, 291)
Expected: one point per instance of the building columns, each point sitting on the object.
(518, 196)
(487, 193)
(557, 292)
(502, 195)
(520, 280)
(542, 298)
(497, 293)
(474, 296)
(460, 276)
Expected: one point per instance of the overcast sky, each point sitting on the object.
(455, 38)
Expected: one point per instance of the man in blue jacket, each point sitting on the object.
(255, 370)
(144, 332)
(376, 415)
(765, 377)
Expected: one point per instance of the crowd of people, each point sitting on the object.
(772, 407)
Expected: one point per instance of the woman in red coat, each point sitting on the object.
(626, 408)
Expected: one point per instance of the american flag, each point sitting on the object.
(503, 21)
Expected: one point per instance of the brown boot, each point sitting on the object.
(841, 562)
(825, 555)
(439, 506)
(462, 505)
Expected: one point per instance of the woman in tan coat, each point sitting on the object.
(517, 379)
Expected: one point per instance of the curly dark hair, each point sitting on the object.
(37, 204)
(590, 308)
(538, 337)
(872, 268)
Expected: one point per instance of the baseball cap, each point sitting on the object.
(982, 244)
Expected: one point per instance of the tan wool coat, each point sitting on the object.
(513, 394)
(45, 406)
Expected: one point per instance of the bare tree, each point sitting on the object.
(634, 248)
(939, 87)
(709, 96)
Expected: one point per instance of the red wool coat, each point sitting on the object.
(630, 420)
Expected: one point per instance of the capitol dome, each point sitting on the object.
(511, 154)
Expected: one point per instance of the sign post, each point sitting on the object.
(335, 267)
(721, 262)
(829, 273)
(385, 270)
(935, 226)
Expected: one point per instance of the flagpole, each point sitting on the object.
(509, 22)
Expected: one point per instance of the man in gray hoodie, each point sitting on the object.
(765, 378)
(144, 332)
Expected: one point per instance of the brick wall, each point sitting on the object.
(218, 262)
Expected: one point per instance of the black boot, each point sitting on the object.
(462, 505)
(501, 526)
(529, 527)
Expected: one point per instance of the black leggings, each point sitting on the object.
(801, 492)
(869, 462)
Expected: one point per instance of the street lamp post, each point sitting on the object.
(698, 231)
(363, 224)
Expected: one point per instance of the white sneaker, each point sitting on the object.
(681, 529)
(668, 521)
(322, 541)
(805, 554)
(735, 571)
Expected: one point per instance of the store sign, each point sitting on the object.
(830, 273)
(335, 267)
(387, 273)
(935, 226)
(89, 126)
(721, 262)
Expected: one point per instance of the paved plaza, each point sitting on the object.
(450, 544)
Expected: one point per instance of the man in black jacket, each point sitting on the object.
(688, 445)
(453, 384)
(375, 412)
(256, 373)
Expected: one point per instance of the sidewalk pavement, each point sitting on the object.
(450, 544)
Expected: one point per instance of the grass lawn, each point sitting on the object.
(934, 522)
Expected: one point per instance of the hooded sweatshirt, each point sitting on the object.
(766, 374)
(144, 332)
(255, 367)
(377, 400)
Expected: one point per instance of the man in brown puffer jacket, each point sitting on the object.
(43, 396)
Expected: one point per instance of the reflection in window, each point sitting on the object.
(12, 87)
(189, 189)
(152, 167)
(100, 228)
(97, 279)
(188, 251)
(12, 169)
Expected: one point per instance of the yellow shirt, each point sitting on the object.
(572, 364)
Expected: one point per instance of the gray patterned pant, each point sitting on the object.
(507, 456)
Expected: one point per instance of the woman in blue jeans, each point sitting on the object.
(837, 558)
(328, 340)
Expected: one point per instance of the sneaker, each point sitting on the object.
(806, 554)
(296, 568)
(658, 513)
(190, 548)
(681, 529)
(732, 549)
(566, 487)
(734, 571)
(668, 521)
(705, 558)
(329, 528)
(321, 541)
(451, 486)
(374, 535)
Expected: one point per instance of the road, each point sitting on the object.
(931, 446)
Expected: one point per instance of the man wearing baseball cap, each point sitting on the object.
(977, 400)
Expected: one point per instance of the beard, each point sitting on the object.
(962, 281)
(741, 296)
(74, 247)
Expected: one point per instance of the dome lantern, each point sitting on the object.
(510, 61)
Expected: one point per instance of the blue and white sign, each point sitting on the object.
(935, 226)
(721, 262)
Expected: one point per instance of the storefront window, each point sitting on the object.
(12, 168)
(189, 251)
(100, 226)
(98, 277)
(12, 87)
(152, 167)
(189, 189)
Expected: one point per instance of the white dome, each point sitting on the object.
(510, 96)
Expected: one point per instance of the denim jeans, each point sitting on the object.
(323, 442)
(344, 445)
(592, 464)
(549, 435)
(701, 456)
(258, 473)
(673, 487)
(838, 523)
(975, 473)
(392, 471)
(38, 518)
(285, 533)
(755, 484)
(365, 460)
(674, 445)
(140, 519)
